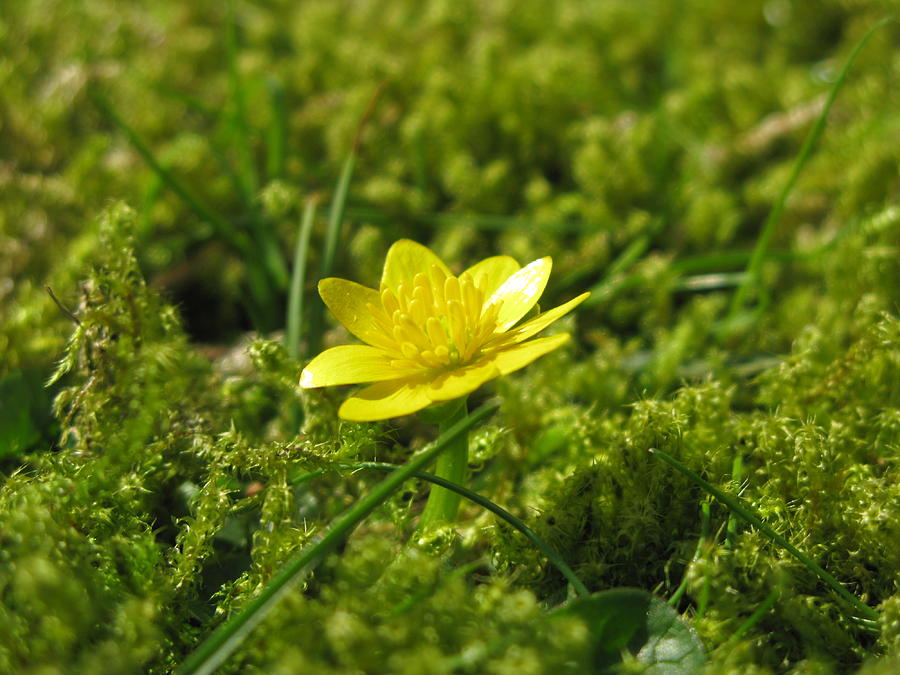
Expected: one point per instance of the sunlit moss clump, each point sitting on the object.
(159, 463)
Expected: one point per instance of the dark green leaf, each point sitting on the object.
(631, 621)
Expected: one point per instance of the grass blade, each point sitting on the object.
(701, 543)
(276, 134)
(335, 220)
(227, 637)
(479, 221)
(754, 618)
(754, 266)
(602, 291)
(736, 507)
(241, 138)
(240, 128)
(298, 281)
(224, 229)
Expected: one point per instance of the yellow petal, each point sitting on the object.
(518, 294)
(405, 259)
(541, 321)
(349, 364)
(490, 273)
(510, 360)
(462, 381)
(384, 400)
(349, 302)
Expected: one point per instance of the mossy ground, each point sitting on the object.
(156, 484)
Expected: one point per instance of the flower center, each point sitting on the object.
(437, 320)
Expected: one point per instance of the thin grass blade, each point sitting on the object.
(753, 280)
(298, 281)
(736, 507)
(276, 133)
(243, 142)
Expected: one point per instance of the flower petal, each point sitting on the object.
(405, 259)
(510, 360)
(349, 364)
(491, 272)
(462, 381)
(544, 319)
(384, 400)
(518, 294)
(349, 302)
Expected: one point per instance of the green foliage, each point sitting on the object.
(641, 144)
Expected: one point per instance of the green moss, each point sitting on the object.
(639, 144)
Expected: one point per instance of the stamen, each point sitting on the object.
(420, 281)
(389, 301)
(438, 278)
(451, 290)
(457, 324)
(435, 320)
(403, 296)
(409, 350)
(470, 302)
(404, 364)
(413, 332)
(436, 332)
(418, 309)
(430, 358)
(423, 294)
(471, 348)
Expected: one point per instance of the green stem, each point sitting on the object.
(442, 504)
(701, 543)
(735, 506)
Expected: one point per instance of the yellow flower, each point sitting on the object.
(431, 336)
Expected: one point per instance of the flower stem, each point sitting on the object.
(442, 504)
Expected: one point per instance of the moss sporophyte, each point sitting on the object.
(432, 337)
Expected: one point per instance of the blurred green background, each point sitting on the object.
(642, 144)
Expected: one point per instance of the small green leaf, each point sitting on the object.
(631, 621)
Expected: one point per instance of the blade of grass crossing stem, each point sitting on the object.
(545, 548)
(753, 280)
(298, 281)
(734, 505)
(227, 637)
